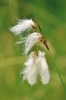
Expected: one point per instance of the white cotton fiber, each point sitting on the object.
(22, 25)
(43, 68)
(31, 40)
(30, 70)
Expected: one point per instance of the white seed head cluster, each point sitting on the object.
(35, 64)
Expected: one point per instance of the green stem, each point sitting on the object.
(57, 71)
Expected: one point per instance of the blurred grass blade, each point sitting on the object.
(57, 71)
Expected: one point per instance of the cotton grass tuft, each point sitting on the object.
(43, 68)
(34, 66)
(30, 70)
(23, 25)
(31, 40)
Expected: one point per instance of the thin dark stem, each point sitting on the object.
(57, 71)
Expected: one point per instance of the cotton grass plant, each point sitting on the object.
(36, 64)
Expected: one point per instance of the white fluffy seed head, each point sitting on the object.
(36, 65)
(31, 40)
(30, 70)
(23, 25)
(43, 68)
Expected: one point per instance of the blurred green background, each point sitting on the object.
(51, 16)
